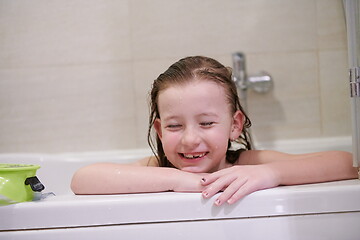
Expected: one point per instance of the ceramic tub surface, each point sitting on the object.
(74, 211)
(325, 210)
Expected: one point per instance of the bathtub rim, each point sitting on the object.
(286, 145)
(103, 210)
(325, 195)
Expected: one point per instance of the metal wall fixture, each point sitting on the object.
(261, 82)
(354, 77)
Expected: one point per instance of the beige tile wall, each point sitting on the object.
(74, 75)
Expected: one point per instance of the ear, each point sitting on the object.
(157, 126)
(237, 125)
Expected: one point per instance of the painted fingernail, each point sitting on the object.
(217, 202)
(205, 194)
(203, 180)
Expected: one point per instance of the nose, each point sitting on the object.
(191, 138)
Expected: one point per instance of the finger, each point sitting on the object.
(246, 189)
(217, 186)
(230, 191)
(206, 180)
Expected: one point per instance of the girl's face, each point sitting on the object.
(195, 125)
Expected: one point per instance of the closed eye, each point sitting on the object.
(173, 126)
(207, 124)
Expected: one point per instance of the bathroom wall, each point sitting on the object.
(74, 75)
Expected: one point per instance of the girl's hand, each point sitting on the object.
(238, 181)
(187, 181)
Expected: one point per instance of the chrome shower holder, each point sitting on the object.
(260, 83)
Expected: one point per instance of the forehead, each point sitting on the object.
(195, 96)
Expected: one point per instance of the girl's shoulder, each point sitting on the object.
(147, 162)
(251, 157)
(245, 157)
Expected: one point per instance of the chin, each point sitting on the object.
(194, 169)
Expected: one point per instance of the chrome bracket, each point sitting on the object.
(354, 77)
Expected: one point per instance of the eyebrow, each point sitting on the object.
(205, 114)
(171, 117)
(208, 114)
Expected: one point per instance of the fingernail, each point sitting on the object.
(230, 201)
(203, 180)
(217, 202)
(205, 194)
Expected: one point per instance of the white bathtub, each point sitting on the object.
(314, 211)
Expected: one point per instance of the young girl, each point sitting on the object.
(197, 117)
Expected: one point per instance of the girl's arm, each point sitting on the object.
(112, 178)
(267, 169)
(305, 168)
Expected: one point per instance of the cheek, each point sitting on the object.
(222, 133)
(169, 143)
(220, 140)
(169, 139)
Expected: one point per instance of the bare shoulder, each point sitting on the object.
(252, 157)
(147, 162)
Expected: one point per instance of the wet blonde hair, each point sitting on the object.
(182, 72)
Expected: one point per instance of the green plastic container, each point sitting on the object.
(18, 183)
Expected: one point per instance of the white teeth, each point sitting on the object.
(191, 156)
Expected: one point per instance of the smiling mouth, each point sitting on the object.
(193, 155)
